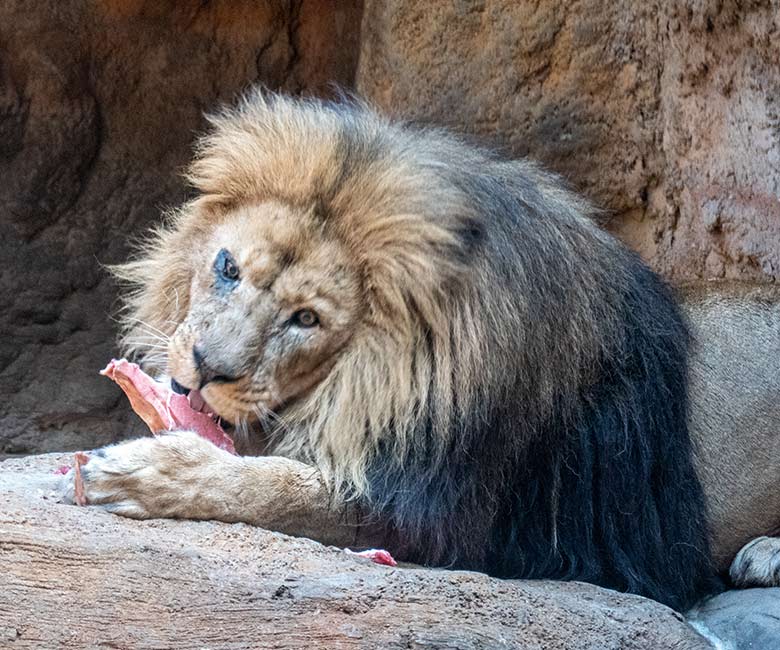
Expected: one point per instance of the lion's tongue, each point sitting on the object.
(197, 402)
(161, 408)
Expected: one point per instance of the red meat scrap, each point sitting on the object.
(376, 555)
(162, 409)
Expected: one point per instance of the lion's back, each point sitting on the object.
(735, 407)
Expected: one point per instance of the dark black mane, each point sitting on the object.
(574, 460)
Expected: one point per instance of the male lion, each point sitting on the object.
(436, 349)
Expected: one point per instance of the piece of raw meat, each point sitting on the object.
(376, 555)
(164, 410)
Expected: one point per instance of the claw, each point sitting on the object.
(80, 458)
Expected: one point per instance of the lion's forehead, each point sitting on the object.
(284, 250)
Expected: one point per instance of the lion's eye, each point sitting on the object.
(230, 270)
(225, 266)
(305, 318)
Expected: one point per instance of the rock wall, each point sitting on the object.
(99, 105)
(666, 114)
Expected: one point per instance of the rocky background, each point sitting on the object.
(665, 114)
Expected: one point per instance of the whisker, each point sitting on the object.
(152, 330)
(155, 359)
(137, 342)
(155, 337)
(242, 429)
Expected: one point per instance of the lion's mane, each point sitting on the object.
(515, 400)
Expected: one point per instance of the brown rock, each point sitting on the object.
(80, 577)
(664, 113)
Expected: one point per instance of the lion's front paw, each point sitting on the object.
(166, 476)
(757, 564)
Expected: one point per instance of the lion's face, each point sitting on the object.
(273, 300)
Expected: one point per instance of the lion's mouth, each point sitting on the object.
(164, 408)
(199, 404)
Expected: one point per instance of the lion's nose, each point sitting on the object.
(208, 372)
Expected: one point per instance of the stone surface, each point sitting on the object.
(741, 620)
(667, 114)
(80, 577)
(99, 105)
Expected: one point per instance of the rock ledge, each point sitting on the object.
(82, 578)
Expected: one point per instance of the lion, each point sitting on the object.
(430, 349)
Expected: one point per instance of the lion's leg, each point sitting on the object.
(757, 564)
(180, 475)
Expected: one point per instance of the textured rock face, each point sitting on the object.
(667, 114)
(99, 105)
(170, 584)
(741, 619)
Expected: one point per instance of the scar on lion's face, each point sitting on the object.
(274, 298)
